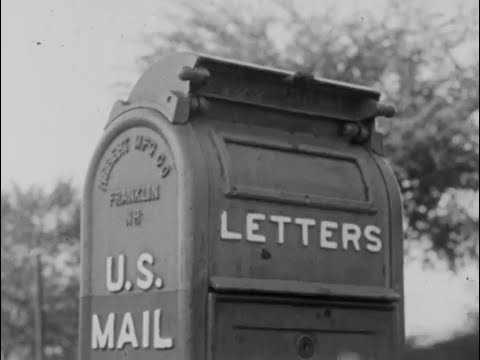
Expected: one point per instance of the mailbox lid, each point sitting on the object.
(268, 328)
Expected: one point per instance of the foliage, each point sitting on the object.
(412, 56)
(46, 223)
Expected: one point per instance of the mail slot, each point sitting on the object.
(233, 211)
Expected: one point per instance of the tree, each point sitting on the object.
(408, 54)
(35, 222)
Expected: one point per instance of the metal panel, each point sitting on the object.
(285, 226)
(253, 85)
(289, 329)
(316, 176)
(131, 286)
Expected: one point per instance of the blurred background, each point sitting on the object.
(65, 63)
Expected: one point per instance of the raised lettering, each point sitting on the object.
(134, 218)
(146, 329)
(135, 195)
(147, 282)
(138, 142)
(127, 333)
(281, 221)
(115, 285)
(117, 152)
(351, 233)
(252, 227)
(305, 224)
(161, 160)
(102, 339)
(166, 170)
(158, 341)
(372, 234)
(326, 228)
(226, 234)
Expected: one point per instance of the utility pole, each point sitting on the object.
(38, 304)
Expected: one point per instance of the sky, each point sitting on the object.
(59, 62)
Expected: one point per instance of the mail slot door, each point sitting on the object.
(296, 207)
(269, 328)
(319, 188)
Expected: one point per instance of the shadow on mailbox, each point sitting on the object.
(233, 211)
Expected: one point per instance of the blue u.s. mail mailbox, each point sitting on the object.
(236, 212)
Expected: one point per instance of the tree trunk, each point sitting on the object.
(38, 308)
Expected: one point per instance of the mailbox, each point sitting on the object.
(238, 212)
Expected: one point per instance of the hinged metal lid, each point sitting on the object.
(184, 82)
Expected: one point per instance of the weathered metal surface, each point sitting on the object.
(133, 245)
(228, 208)
(268, 328)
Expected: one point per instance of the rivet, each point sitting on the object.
(306, 347)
